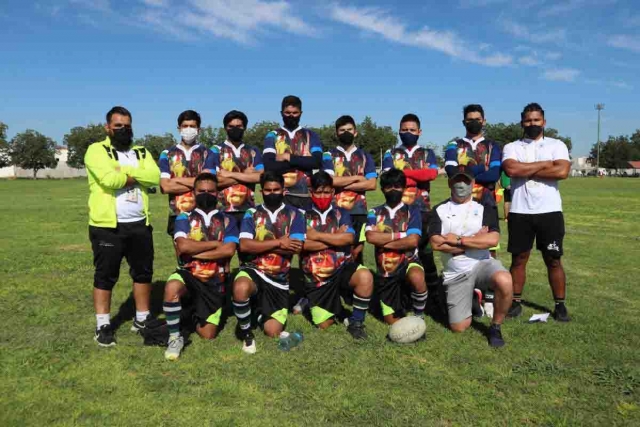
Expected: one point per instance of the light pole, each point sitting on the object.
(599, 107)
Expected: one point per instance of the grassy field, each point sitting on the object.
(586, 372)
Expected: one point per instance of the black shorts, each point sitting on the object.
(131, 240)
(507, 195)
(547, 229)
(209, 298)
(359, 221)
(325, 300)
(273, 302)
(395, 291)
(171, 225)
(298, 202)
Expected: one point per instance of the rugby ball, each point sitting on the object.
(407, 330)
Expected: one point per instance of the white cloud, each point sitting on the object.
(156, 3)
(522, 32)
(562, 7)
(552, 56)
(623, 41)
(529, 60)
(561, 74)
(480, 3)
(448, 42)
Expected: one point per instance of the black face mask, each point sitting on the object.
(393, 198)
(346, 139)
(474, 127)
(206, 201)
(533, 131)
(235, 134)
(409, 139)
(291, 122)
(272, 201)
(122, 139)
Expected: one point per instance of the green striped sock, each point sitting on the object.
(172, 311)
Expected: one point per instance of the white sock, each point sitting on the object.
(141, 316)
(103, 319)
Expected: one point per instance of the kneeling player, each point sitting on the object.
(270, 235)
(327, 262)
(395, 229)
(206, 240)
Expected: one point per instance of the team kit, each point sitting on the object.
(315, 208)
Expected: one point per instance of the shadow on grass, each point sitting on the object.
(127, 310)
(536, 306)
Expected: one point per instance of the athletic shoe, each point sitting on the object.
(495, 337)
(139, 325)
(560, 314)
(249, 343)
(105, 336)
(300, 305)
(356, 329)
(176, 344)
(515, 310)
(476, 304)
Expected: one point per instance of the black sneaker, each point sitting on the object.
(560, 314)
(515, 310)
(137, 326)
(495, 337)
(356, 329)
(105, 336)
(476, 304)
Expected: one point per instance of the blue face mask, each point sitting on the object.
(409, 139)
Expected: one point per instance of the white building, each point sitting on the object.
(62, 170)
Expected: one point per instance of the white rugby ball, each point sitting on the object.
(407, 330)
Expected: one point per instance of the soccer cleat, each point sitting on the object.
(560, 314)
(356, 329)
(300, 305)
(249, 343)
(176, 344)
(476, 304)
(495, 337)
(515, 310)
(137, 326)
(105, 336)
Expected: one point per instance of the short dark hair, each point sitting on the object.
(271, 176)
(344, 120)
(291, 101)
(118, 110)
(233, 115)
(205, 176)
(472, 108)
(533, 106)
(321, 179)
(392, 177)
(189, 115)
(410, 118)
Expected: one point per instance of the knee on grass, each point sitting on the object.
(273, 328)
(460, 327)
(208, 331)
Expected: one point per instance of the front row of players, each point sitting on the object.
(270, 234)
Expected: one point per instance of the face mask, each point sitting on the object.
(393, 198)
(346, 139)
(122, 139)
(189, 135)
(474, 127)
(291, 122)
(409, 139)
(322, 203)
(206, 201)
(235, 134)
(461, 190)
(533, 131)
(272, 201)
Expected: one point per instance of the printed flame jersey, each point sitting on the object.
(403, 219)
(321, 266)
(179, 162)
(238, 197)
(414, 158)
(202, 227)
(339, 162)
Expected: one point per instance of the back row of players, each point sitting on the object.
(324, 218)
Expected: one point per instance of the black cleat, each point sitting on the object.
(495, 337)
(356, 329)
(105, 336)
(515, 310)
(560, 314)
(137, 326)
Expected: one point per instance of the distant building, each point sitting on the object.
(62, 170)
(580, 166)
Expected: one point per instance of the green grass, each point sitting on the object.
(583, 373)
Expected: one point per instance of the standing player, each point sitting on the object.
(354, 173)
(329, 269)
(395, 230)
(270, 235)
(206, 240)
(535, 165)
(179, 166)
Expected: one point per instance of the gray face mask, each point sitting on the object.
(461, 190)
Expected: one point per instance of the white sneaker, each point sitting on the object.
(488, 309)
(300, 305)
(176, 344)
(249, 345)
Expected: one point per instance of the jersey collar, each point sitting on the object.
(393, 211)
(323, 216)
(187, 151)
(236, 150)
(273, 215)
(207, 216)
(408, 150)
(291, 133)
(348, 153)
(473, 143)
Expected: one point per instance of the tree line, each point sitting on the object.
(617, 151)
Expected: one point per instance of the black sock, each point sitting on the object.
(517, 298)
(559, 301)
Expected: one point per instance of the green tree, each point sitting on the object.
(505, 133)
(210, 136)
(5, 160)
(256, 133)
(327, 134)
(78, 140)
(155, 144)
(375, 139)
(615, 153)
(32, 150)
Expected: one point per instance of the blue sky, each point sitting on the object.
(66, 62)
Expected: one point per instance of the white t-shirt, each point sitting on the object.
(535, 196)
(462, 219)
(129, 204)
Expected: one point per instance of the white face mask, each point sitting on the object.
(189, 135)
